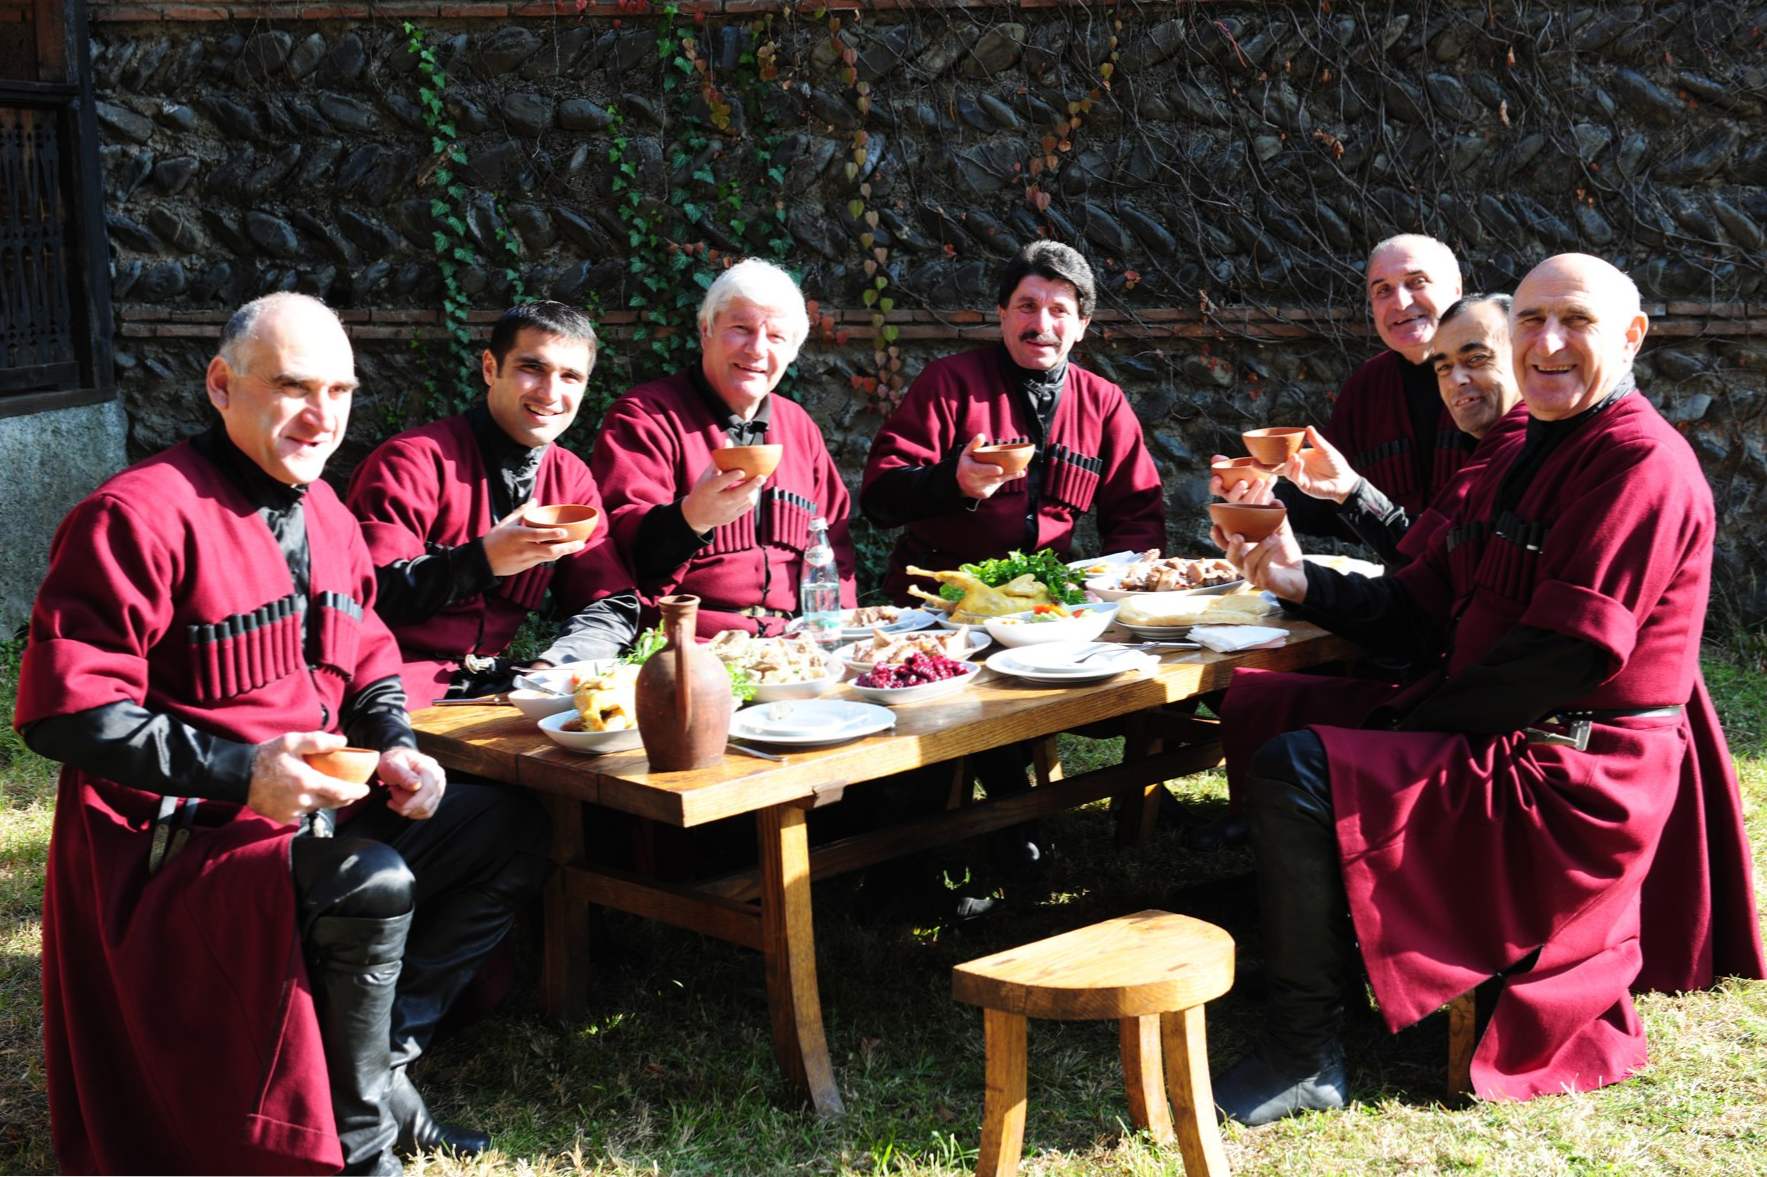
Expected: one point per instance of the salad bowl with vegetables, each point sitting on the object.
(1052, 623)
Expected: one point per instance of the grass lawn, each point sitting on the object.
(672, 1072)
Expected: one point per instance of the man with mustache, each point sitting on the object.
(441, 507)
(684, 526)
(952, 508)
(229, 985)
(1387, 421)
(923, 477)
(1524, 819)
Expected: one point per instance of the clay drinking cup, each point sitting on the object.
(355, 765)
(1013, 459)
(1246, 519)
(757, 461)
(1239, 471)
(578, 520)
(1274, 446)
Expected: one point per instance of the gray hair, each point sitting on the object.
(242, 325)
(1420, 242)
(764, 284)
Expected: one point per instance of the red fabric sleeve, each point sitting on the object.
(920, 432)
(1131, 503)
(636, 465)
(596, 571)
(395, 493)
(105, 602)
(1615, 547)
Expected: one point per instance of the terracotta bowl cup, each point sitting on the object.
(1252, 522)
(757, 461)
(1239, 471)
(579, 521)
(1011, 458)
(1274, 446)
(355, 765)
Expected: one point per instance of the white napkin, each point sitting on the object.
(1230, 639)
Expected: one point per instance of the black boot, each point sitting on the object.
(1299, 1065)
(419, 1133)
(354, 972)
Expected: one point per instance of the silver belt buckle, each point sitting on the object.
(1575, 736)
(479, 663)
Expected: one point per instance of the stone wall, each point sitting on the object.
(1226, 165)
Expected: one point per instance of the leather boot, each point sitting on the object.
(354, 972)
(419, 1133)
(1306, 934)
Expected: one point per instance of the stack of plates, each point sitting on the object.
(807, 722)
(1156, 633)
(1070, 663)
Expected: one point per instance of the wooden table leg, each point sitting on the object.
(1463, 1020)
(1137, 807)
(1046, 759)
(788, 944)
(1143, 1077)
(564, 972)
(1186, 1046)
(1003, 1108)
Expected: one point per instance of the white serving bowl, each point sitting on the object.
(1017, 629)
(978, 640)
(539, 704)
(894, 696)
(596, 742)
(834, 671)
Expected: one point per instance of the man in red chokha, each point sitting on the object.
(923, 477)
(1388, 421)
(442, 510)
(683, 526)
(1490, 826)
(228, 986)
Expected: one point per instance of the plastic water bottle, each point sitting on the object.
(819, 593)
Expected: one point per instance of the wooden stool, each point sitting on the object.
(1152, 971)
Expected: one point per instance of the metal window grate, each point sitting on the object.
(37, 329)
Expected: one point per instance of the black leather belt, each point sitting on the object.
(1576, 725)
(757, 612)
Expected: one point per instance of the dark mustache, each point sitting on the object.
(1036, 337)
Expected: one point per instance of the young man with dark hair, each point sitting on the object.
(441, 507)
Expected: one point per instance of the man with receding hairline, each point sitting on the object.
(232, 939)
(1491, 825)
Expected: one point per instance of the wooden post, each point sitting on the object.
(788, 944)
(564, 970)
(1003, 1108)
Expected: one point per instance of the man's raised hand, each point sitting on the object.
(719, 497)
(284, 787)
(977, 479)
(1320, 471)
(512, 546)
(1273, 564)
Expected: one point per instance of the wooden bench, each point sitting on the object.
(1151, 971)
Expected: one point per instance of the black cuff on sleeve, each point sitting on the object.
(151, 751)
(409, 591)
(909, 493)
(1527, 675)
(665, 542)
(375, 717)
(1376, 520)
(1373, 611)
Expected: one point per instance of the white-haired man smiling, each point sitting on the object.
(683, 526)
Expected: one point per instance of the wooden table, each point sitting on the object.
(769, 909)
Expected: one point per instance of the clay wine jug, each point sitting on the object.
(683, 695)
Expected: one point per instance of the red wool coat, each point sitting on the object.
(1497, 447)
(1093, 458)
(1371, 425)
(653, 444)
(429, 486)
(178, 1025)
(1463, 854)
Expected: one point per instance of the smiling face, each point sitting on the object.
(1473, 370)
(1042, 322)
(745, 351)
(534, 394)
(1410, 283)
(285, 400)
(1575, 327)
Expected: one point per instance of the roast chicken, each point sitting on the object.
(981, 601)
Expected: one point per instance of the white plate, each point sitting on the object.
(1017, 629)
(1106, 586)
(907, 621)
(896, 696)
(597, 743)
(538, 704)
(809, 689)
(810, 721)
(1156, 633)
(1057, 663)
(978, 640)
(1117, 558)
